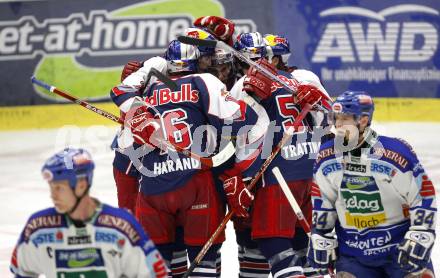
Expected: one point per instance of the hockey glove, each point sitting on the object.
(322, 252)
(258, 83)
(129, 68)
(414, 251)
(307, 94)
(220, 27)
(143, 126)
(238, 196)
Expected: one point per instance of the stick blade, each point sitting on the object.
(197, 42)
(223, 155)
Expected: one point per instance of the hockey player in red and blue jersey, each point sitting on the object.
(175, 189)
(273, 221)
(278, 52)
(134, 79)
(80, 236)
(135, 75)
(252, 263)
(134, 83)
(374, 192)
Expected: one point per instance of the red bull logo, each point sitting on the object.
(193, 34)
(280, 40)
(197, 33)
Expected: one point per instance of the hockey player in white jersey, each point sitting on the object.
(79, 236)
(374, 192)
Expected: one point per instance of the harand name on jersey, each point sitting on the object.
(165, 95)
(178, 164)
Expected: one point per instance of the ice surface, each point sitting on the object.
(22, 190)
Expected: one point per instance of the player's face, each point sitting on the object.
(346, 126)
(204, 62)
(275, 61)
(223, 72)
(62, 195)
(343, 120)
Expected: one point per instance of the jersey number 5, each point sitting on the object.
(289, 112)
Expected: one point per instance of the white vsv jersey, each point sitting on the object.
(372, 196)
(139, 78)
(111, 244)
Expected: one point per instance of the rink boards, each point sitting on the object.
(53, 116)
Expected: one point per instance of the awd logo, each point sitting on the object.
(141, 30)
(355, 35)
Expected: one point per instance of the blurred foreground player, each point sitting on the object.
(81, 237)
(373, 190)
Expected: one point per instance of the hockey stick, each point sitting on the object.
(163, 78)
(294, 204)
(292, 201)
(76, 100)
(286, 137)
(239, 55)
(210, 162)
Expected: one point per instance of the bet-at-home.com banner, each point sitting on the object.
(81, 45)
(388, 48)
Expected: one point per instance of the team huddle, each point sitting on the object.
(367, 207)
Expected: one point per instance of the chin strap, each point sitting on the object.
(369, 138)
(78, 200)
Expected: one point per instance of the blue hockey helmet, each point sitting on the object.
(200, 33)
(69, 164)
(355, 103)
(181, 57)
(277, 45)
(251, 45)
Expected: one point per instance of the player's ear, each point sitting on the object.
(81, 186)
(275, 60)
(363, 123)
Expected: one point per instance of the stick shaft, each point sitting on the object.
(83, 103)
(292, 201)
